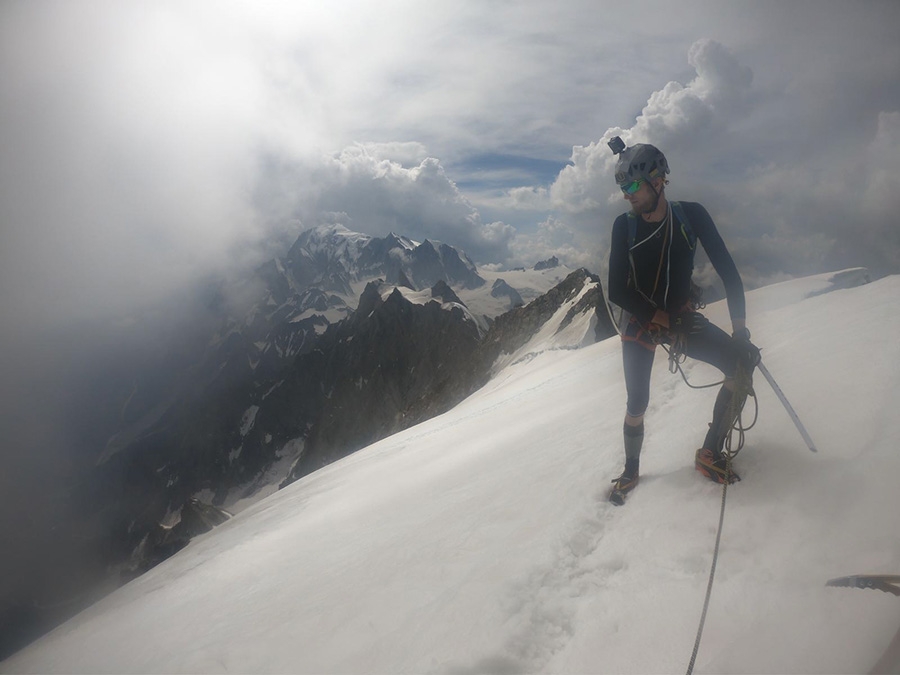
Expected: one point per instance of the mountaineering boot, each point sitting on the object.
(622, 486)
(715, 467)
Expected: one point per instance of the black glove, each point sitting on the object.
(687, 323)
(741, 334)
(748, 353)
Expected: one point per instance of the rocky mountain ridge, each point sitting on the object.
(285, 391)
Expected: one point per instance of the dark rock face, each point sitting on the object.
(548, 264)
(444, 293)
(395, 364)
(392, 365)
(513, 329)
(460, 270)
(194, 518)
(502, 289)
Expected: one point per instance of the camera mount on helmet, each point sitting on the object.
(617, 145)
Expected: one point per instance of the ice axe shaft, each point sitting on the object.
(787, 406)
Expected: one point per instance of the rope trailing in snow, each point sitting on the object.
(712, 576)
(743, 388)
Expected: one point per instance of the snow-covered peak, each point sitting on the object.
(402, 242)
(339, 260)
(333, 242)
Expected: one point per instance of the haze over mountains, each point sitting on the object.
(345, 339)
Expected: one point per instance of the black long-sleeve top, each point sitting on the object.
(642, 290)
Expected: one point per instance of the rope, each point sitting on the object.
(609, 312)
(677, 357)
(743, 388)
(712, 576)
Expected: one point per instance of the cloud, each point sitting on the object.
(722, 82)
(408, 153)
(673, 118)
(381, 196)
(831, 209)
(125, 165)
(130, 170)
(881, 172)
(789, 198)
(527, 198)
(553, 237)
(378, 196)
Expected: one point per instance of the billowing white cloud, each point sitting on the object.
(380, 196)
(408, 153)
(673, 119)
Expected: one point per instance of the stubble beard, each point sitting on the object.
(646, 207)
(652, 207)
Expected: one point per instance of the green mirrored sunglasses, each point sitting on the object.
(632, 187)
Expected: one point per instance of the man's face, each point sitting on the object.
(644, 200)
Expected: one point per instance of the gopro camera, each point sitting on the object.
(617, 145)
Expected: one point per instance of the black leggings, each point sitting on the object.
(711, 345)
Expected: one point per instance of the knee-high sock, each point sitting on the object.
(634, 439)
(715, 437)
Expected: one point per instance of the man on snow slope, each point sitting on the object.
(650, 266)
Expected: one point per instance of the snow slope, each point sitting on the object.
(481, 541)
